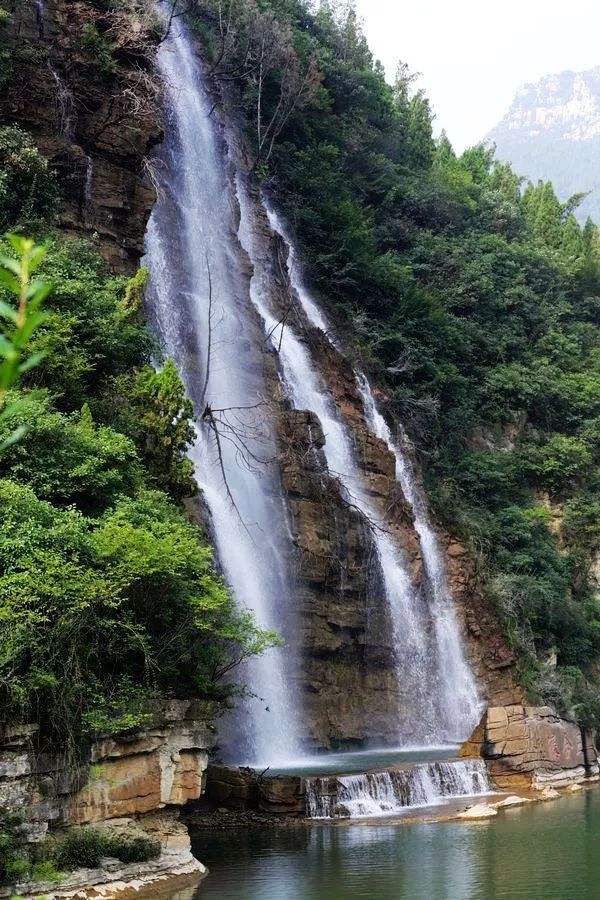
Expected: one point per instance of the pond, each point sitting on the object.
(542, 851)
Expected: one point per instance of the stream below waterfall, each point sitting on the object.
(545, 851)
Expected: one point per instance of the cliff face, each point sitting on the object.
(94, 117)
(133, 785)
(552, 132)
(97, 124)
(348, 683)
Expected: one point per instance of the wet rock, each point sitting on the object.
(549, 793)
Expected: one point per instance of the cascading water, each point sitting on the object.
(40, 15)
(203, 306)
(199, 305)
(88, 188)
(376, 794)
(413, 661)
(449, 681)
(460, 707)
(65, 104)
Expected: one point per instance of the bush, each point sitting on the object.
(86, 847)
(28, 191)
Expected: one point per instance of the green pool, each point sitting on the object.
(545, 851)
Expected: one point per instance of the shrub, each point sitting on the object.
(28, 191)
(85, 848)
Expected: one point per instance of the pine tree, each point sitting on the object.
(531, 202)
(419, 137)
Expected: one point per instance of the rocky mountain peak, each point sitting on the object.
(552, 131)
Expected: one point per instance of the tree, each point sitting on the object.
(159, 416)
(572, 241)
(548, 217)
(28, 190)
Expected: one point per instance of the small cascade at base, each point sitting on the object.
(392, 791)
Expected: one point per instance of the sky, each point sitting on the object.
(474, 54)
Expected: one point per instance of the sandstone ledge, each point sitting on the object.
(532, 747)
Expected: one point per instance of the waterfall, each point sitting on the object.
(198, 302)
(413, 661)
(88, 189)
(446, 673)
(65, 104)
(384, 793)
(40, 15)
(461, 706)
(215, 316)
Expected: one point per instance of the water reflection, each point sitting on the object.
(548, 851)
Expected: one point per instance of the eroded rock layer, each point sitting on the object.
(532, 747)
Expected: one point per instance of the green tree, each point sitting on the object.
(158, 416)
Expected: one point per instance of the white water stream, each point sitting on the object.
(460, 705)
(442, 667)
(199, 292)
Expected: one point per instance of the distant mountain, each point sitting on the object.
(552, 131)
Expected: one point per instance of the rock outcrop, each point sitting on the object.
(245, 790)
(158, 768)
(532, 747)
(94, 116)
(552, 132)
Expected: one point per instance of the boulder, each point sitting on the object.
(480, 811)
(530, 747)
(513, 800)
(548, 793)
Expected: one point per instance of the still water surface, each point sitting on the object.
(546, 851)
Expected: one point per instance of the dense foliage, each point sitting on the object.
(475, 303)
(109, 600)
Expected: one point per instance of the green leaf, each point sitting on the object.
(17, 434)
(7, 311)
(34, 360)
(10, 281)
(13, 265)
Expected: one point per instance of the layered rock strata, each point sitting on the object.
(161, 766)
(532, 747)
(94, 112)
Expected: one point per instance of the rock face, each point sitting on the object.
(532, 747)
(552, 132)
(160, 767)
(244, 790)
(95, 121)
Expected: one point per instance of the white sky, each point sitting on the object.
(474, 54)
